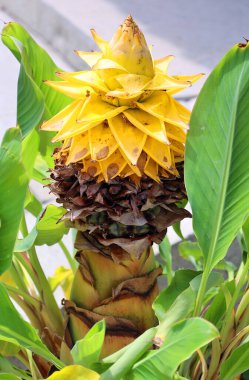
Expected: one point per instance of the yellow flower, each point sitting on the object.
(123, 120)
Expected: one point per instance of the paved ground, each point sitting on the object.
(197, 32)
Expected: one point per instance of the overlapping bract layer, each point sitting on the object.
(117, 222)
(123, 120)
(123, 299)
(118, 214)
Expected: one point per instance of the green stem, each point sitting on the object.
(228, 316)
(243, 305)
(27, 298)
(215, 358)
(47, 296)
(203, 365)
(202, 290)
(17, 276)
(22, 357)
(243, 322)
(72, 262)
(170, 277)
(239, 271)
(23, 227)
(29, 311)
(33, 368)
(236, 340)
(45, 290)
(28, 268)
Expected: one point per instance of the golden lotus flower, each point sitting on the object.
(120, 177)
(123, 120)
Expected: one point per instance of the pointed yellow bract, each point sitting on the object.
(129, 48)
(123, 120)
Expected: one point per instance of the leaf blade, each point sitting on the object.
(14, 329)
(13, 176)
(87, 351)
(216, 171)
(236, 363)
(179, 345)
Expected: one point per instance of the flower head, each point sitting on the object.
(123, 120)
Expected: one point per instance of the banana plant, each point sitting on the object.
(119, 154)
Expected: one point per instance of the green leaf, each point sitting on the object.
(87, 350)
(13, 184)
(30, 101)
(9, 376)
(178, 231)
(236, 363)
(191, 251)
(35, 99)
(32, 204)
(26, 243)
(49, 229)
(165, 250)
(214, 280)
(30, 147)
(245, 230)
(8, 349)
(40, 172)
(168, 296)
(7, 367)
(180, 344)
(165, 253)
(184, 303)
(178, 377)
(218, 306)
(227, 266)
(177, 226)
(12, 142)
(129, 356)
(180, 309)
(15, 330)
(217, 156)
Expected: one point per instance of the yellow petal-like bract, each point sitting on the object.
(123, 119)
(76, 372)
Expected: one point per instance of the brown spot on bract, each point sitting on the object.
(141, 161)
(91, 170)
(165, 159)
(135, 151)
(112, 170)
(105, 124)
(102, 153)
(80, 154)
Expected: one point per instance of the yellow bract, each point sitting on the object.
(123, 119)
(76, 372)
